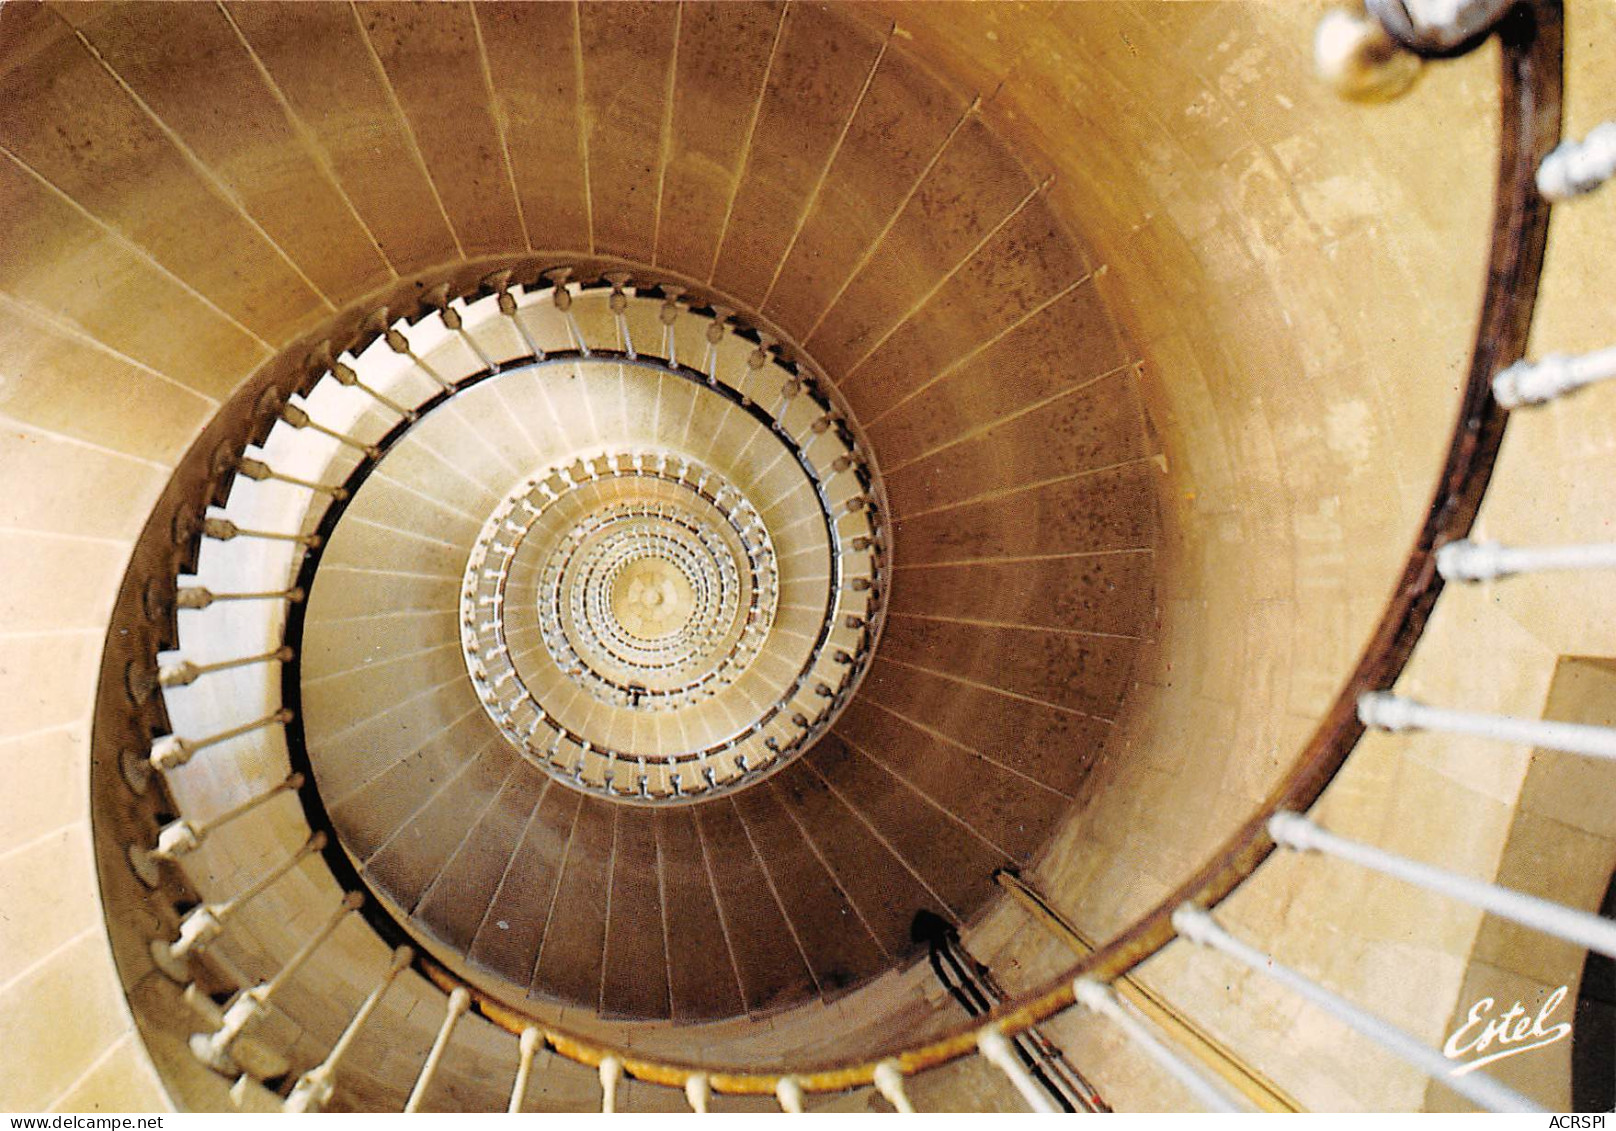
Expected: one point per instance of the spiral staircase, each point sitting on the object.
(565, 569)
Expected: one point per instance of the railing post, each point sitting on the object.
(889, 1082)
(789, 1093)
(668, 315)
(561, 298)
(1578, 167)
(611, 1074)
(1197, 926)
(1100, 998)
(698, 1091)
(454, 322)
(315, 1087)
(618, 302)
(177, 838)
(223, 530)
(1355, 56)
(299, 418)
(715, 335)
(1593, 932)
(258, 471)
(1488, 561)
(995, 1046)
(343, 374)
(1541, 381)
(459, 1002)
(399, 344)
(206, 921)
(198, 597)
(214, 1049)
(507, 307)
(1385, 711)
(527, 1046)
(183, 673)
(171, 751)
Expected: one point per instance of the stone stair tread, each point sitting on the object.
(771, 967)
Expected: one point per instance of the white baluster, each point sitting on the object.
(1355, 56)
(214, 1049)
(298, 417)
(668, 315)
(790, 389)
(1591, 931)
(698, 1091)
(1199, 927)
(343, 374)
(1529, 382)
(1102, 999)
(611, 1074)
(315, 1087)
(709, 361)
(1385, 711)
(459, 1002)
(177, 838)
(399, 344)
(223, 530)
(788, 1091)
(182, 673)
(507, 307)
(619, 306)
(996, 1047)
(206, 922)
(197, 597)
(562, 298)
(889, 1082)
(453, 321)
(527, 1046)
(258, 471)
(171, 751)
(1487, 561)
(1577, 167)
